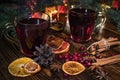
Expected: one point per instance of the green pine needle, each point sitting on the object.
(114, 17)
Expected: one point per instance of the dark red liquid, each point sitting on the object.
(31, 32)
(82, 23)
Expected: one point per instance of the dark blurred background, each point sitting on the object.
(12, 1)
(8, 1)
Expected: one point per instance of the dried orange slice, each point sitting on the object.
(32, 67)
(64, 47)
(73, 67)
(16, 68)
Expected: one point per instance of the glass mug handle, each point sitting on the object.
(10, 33)
(99, 27)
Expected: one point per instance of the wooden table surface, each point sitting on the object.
(9, 52)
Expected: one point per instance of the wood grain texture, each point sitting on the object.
(9, 52)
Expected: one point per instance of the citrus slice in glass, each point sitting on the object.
(73, 67)
(16, 68)
(32, 67)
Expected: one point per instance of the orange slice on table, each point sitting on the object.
(32, 67)
(73, 67)
(16, 68)
(64, 47)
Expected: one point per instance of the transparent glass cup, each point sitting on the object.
(82, 23)
(32, 31)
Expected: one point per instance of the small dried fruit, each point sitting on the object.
(16, 68)
(64, 47)
(56, 67)
(32, 67)
(73, 67)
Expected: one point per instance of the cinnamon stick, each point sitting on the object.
(109, 60)
(103, 45)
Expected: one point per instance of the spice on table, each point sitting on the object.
(103, 45)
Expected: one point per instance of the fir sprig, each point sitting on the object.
(114, 17)
(93, 4)
(7, 15)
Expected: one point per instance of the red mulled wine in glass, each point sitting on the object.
(82, 21)
(31, 31)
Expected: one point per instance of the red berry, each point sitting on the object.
(60, 57)
(88, 64)
(85, 53)
(75, 53)
(85, 65)
(86, 61)
(67, 55)
(73, 59)
(79, 55)
(76, 58)
(82, 48)
(81, 61)
(80, 58)
(70, 58)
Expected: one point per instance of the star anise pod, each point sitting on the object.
(56, 67)
(101, 74)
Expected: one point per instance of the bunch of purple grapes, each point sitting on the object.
(43, 55)
(77, 56)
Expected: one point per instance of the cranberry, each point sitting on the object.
(70, 58)
(82, 48)
(85, 53)
(67, 55)
(80, 58)
(86, 61)
(60, 57)
(88, 64)
(76, 58)
(82, 61)
(85, 65)
(79, 55)
(75, 54)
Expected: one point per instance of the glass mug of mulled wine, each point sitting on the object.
(82, 23)
(31, 29)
